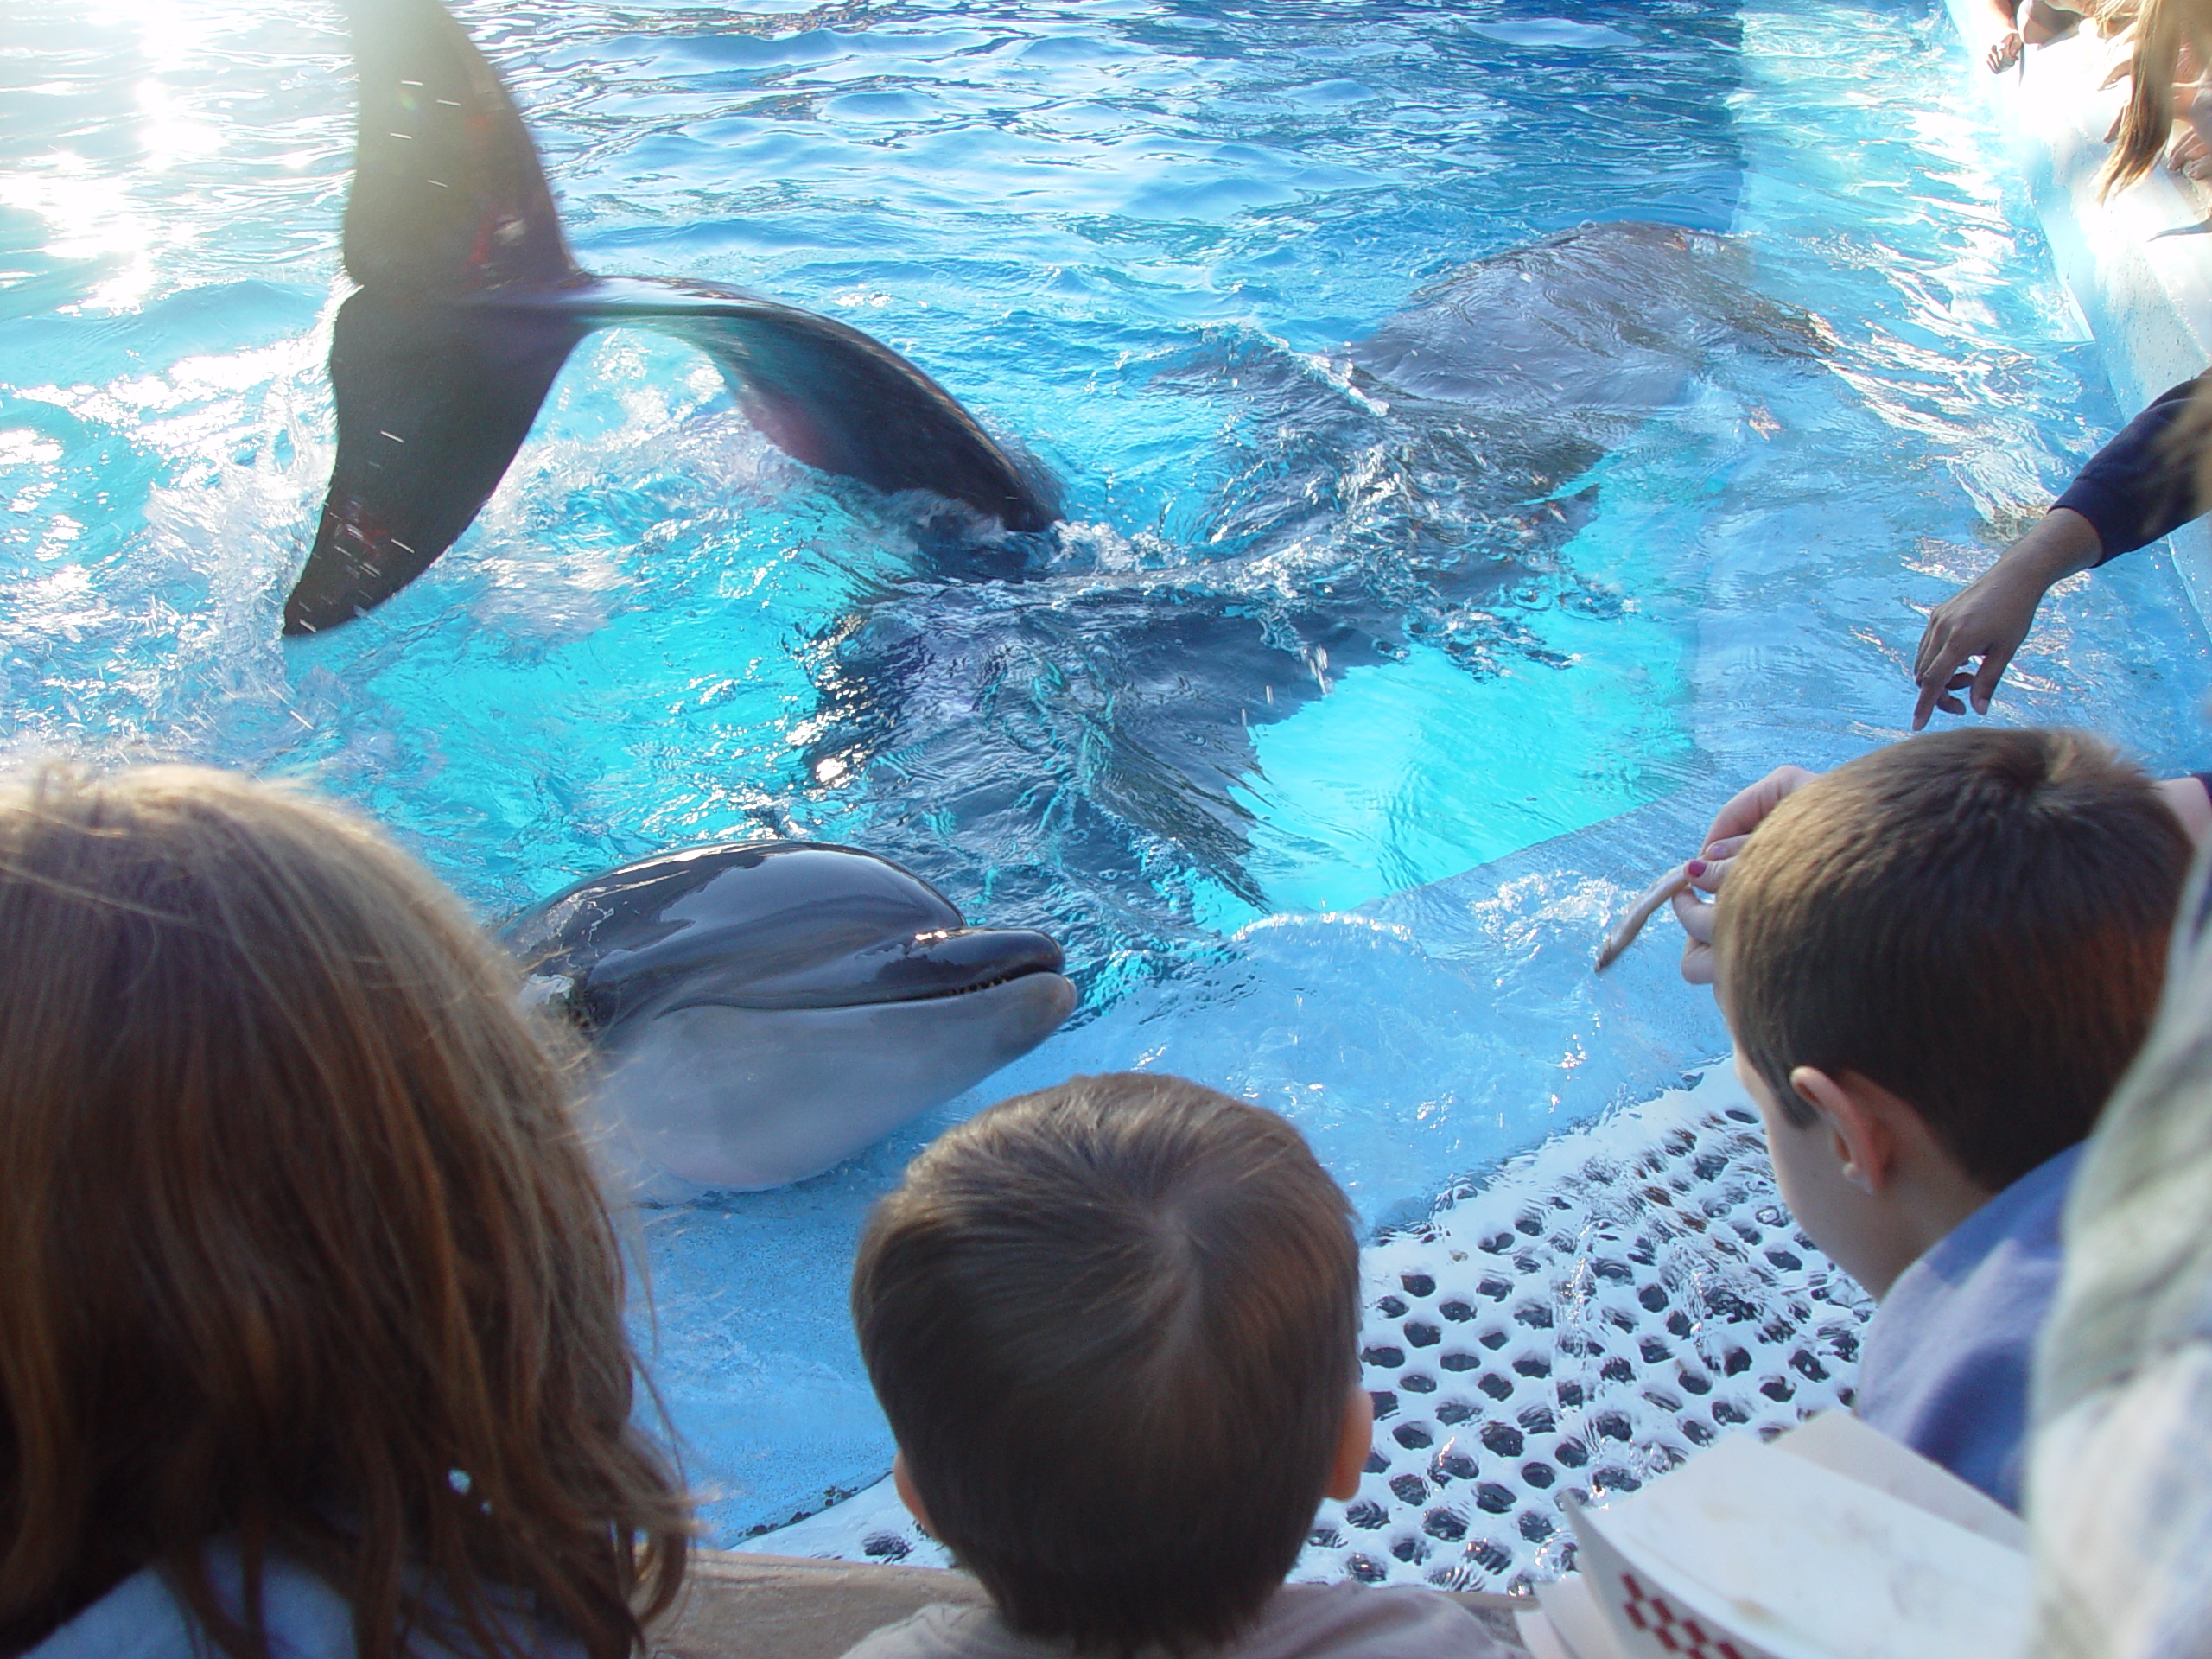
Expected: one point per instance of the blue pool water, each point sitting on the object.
(1118, 230)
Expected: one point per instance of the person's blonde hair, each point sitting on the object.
(2162, 27)
(298, 1246)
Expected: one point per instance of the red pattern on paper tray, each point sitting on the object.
(1675, 1630)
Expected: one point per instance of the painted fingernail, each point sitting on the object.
(1695, 866)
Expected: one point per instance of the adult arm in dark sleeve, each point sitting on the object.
(2137, 488)
(2133, 490)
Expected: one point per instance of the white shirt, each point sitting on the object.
(1301, 1621)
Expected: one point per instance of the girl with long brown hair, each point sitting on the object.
(311, 1335)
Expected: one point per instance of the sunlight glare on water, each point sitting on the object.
(1137, 237)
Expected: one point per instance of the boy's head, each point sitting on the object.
(1114, 1325)
(1974, 922)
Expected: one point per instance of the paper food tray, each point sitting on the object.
(1842, 1545)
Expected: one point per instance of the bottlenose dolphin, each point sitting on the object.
(469, 303)
(1080, 745)
(765, 1010)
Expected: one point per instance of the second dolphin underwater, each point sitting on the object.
(1080, 746)
(764, 1010)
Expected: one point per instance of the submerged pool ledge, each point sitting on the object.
(2139, 263)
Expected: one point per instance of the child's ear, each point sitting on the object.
(1861, 1119)
(1354, 1446)
(903, 1484)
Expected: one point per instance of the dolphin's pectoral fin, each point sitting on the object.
(449, 198)
(432, 402)
(829, 396)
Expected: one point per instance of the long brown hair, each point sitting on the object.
(299, 1245)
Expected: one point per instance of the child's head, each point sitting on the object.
(1975, 921)
(298, 1244)
(1114, 1327)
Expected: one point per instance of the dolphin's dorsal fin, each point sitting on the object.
(449, 198)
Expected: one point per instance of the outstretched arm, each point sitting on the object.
(2139, 487)
(1991, 615)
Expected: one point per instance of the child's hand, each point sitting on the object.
(1724, 838)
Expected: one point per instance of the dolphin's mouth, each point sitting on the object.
(922, 968)
(990, 984)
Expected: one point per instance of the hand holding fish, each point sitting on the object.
(1623, 932)
(1724, 838)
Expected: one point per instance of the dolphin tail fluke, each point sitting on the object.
(432, 402)
(469, 303)
(836, 399)
(448, 199)
(450, 204)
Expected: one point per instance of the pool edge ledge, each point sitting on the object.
(2139, 264)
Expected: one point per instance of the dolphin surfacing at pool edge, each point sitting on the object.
(469, 303)
(765, 1010)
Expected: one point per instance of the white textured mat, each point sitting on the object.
(1578, 1320)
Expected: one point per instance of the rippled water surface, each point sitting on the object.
(1137, 237)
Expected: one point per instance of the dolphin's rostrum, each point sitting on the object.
(469, 303)
(765, 1010)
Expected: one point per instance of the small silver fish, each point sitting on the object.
(1631, 922)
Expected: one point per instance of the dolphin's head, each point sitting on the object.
(765, 1010)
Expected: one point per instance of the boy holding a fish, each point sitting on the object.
(1936, 963)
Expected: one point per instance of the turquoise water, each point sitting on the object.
(1117, 230)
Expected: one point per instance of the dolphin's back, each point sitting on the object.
(1606, 322)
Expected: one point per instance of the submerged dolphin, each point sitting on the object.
(765, 1010)
(1081, 745)
(469, 304)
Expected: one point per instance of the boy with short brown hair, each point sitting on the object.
(1114, 1325)
(1937, 961)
